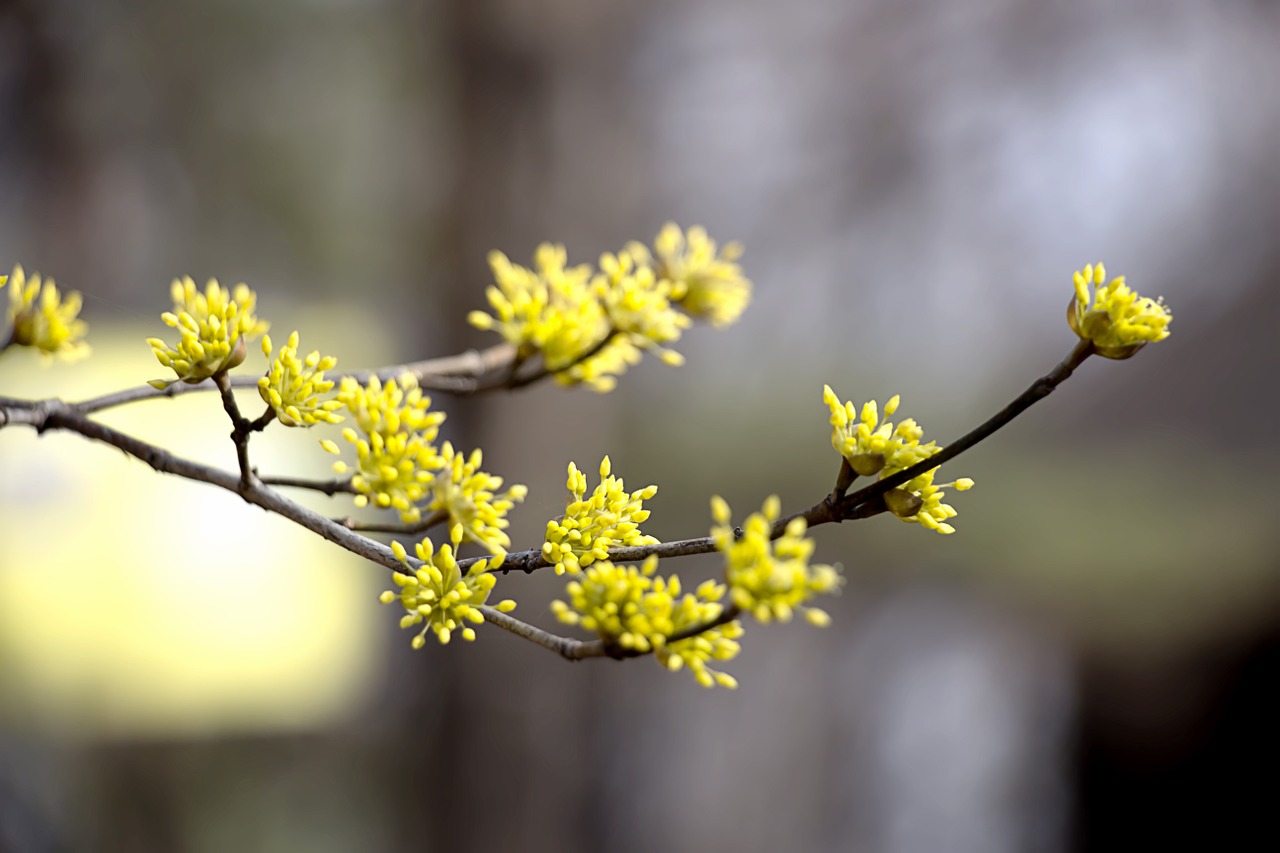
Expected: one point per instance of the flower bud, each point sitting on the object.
(1095, 326)
(237, 355)
(25, 328)
(866, 464)
(902, 503)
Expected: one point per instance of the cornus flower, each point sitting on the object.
(600, 372)
(590, 326)
(393, 434)
(771, 579)
(398, 405)
(42, 319)
(638, 611)
(873, 445)
(920, 499)
(610, 518)
(292, 386)
(638, 304)
(1116, 320)
(625, 605)
(632, 607)
(438, 594)
(553, 310)
(706, 283)
(715, 644)
(878, 447)
(214, 328)
(470, 498)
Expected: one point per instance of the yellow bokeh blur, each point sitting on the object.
(140, 605)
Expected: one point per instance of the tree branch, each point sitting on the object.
(54, 414)
(1037, 391)
(407, 528)
(456, 374)
(514, 381)
(567, 648)
(328, 487)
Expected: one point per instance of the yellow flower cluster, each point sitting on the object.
(878, 447)
(621, 603)
(920, 500)
(629, 606)
(214, 329)
(470, 497)
(439, 594)
(393, 435)
(292, 386)
(1116, 320)
(638, 304)
(716, 644)
(590, 325)
(771, 579)
(610, 518)
(42, 319)
(550, 309)
(705, 283)
(870, 444)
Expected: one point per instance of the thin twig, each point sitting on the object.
(241, 428)
(328, 487)
(513, 381)
(726, 616)
(406, 528)
(863, 503)
(263, 420)
(1037, 391)
(66, 417)
(458, 374)
(844, 479)
(567, 648)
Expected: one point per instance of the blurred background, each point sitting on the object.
(1082, 666)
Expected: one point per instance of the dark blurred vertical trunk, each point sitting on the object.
(43, 155)
(463, 780)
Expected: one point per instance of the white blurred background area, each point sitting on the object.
(1082, 666)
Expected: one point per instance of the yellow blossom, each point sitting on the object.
(624, 604)
(41, 318)
(393, 435)
(292, 386)
(1116, 319)
(920, 499)
(878, 447)
(715, 644)
(214, 328)
(873, 445)
(600, 372)
(771, 579)
(387, 408)
(633, 608)
(610, 518)
(470, 498)
(706, 283)
(439, 594)
(555, 311)
(639, 306)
